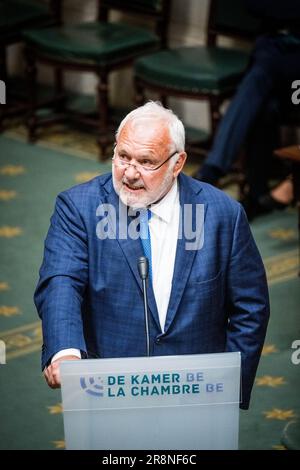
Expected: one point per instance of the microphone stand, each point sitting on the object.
(143, 268)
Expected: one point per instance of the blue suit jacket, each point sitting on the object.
(89, 295)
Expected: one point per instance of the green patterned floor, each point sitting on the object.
(30, 413)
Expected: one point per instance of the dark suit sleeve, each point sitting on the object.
(248, 303)
(63, 279)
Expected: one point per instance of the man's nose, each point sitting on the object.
(132, 173)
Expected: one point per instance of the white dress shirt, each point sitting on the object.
(164, 227)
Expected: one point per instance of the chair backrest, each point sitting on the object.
(56, 10)
(157, 10)
(55, 6)
(24, 14)
(231, 18)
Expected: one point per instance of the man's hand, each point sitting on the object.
(52, 373)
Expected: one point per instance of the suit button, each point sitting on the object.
(158, 341)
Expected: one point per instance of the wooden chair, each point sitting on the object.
(208, 72)
(15, 16)
(100, 47)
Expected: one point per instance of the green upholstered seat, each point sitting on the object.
(100, 47)
(194, 69)
(17, 14)
(207, 72)
(101, 43)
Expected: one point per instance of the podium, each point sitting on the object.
(152, 403)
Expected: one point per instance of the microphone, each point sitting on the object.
(143, 268)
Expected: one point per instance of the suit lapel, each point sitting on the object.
(184, 258)
(132, 249)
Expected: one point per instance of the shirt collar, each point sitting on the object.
(164, 208)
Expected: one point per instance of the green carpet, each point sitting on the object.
(30, 412)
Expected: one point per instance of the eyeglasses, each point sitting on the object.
(146, 167)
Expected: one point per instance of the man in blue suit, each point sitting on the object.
(206, 295)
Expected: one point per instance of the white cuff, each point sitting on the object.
(66, 352)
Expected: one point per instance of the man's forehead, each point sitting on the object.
(146, 128)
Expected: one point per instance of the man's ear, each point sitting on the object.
(179, 164)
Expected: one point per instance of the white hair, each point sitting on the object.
(155, 110)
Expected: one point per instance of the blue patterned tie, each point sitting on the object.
(145, 216)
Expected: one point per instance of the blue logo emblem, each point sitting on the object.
(92, 387)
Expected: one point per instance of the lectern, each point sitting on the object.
(152, 403)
